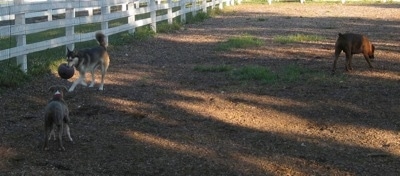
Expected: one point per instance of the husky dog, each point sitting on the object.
(87, 60)
(56, 114)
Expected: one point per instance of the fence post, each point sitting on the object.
(131, 18)
(105, 9)
(21, 39)
(205, 6)
(123, 7)
(228, 2)
(153, 15)
(90, 11)
(193, 7)
(70, 30)
(136, 3)
(50, 13)
(221, 4)
(170, 12)
(183, 11)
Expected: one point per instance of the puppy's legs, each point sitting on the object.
(80, 80)
(47, 129)
(60, 132)
(52, 133)
(68, 132)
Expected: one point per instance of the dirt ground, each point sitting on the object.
(159, 116)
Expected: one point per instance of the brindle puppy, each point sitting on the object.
(56, 114)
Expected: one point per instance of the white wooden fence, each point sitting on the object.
(342, 1)
(19, 10)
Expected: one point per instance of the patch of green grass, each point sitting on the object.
(284, 39)
(218, 68)
(39, 62)
(257, 73)
(329, 27)
(326, 77)
(85, 28)
(214, 12)
(143, 33)
(117, 22)
(262, 19)
(292, 73)
(7, 42)
(257, 2)
(11, 75)
(121, 38)
(45, 35)
(167, 28)
(297, 73)
(244, 41)
(199, 17)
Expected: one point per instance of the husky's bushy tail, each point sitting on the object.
(101, 38)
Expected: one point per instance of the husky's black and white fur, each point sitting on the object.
(87, 60)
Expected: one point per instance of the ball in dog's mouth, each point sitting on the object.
(65, 72)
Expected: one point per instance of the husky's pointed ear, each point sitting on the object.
(69, 50)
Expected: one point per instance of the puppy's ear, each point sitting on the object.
(68, 49)
(52, 88)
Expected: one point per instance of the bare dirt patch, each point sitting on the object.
(158, 116)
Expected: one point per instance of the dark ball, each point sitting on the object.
(65, 71)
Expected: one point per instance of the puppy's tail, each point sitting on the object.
(101, 38)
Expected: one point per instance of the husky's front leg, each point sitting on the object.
(80, 80)
(92, 83)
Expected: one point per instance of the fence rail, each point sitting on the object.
(14, 17)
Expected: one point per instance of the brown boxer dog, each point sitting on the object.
(350, 44)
